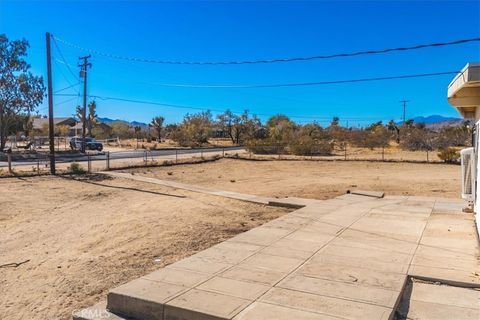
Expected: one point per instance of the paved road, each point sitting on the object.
(132, 154)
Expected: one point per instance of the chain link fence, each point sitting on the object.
(39, 163)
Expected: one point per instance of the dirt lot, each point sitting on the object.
(317, 179)
(81, 238)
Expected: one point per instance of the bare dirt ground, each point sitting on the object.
(316, 179)
(78, 239)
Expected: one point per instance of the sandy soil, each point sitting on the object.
(80, 238)
(317, 179)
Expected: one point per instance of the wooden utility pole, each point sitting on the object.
(51, 128)
(404, 109)
(83, 74)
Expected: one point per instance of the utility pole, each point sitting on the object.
(51, 132)
(83, 74)
(404, 109)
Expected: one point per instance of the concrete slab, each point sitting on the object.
(232, 253)
(203, 305)
(374, 241)
(302, 235)
(178, 277)
(373, 264)
(426, 311)
(142, 298)
(322, 228)
(200, 265)
(303, 245)
(253, 274)
(446, 295)
(467, 246)
(286, 252)
(453, 277)
(344, 258)
(341, 308)
(445, 253)
(267, 311)
(236, 288)
(349, 291)
(353, 274)
(262, 236)
(380, 255)
(441, 262)
(270, 262)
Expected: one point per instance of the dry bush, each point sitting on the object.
(76, 168)
(449, 155)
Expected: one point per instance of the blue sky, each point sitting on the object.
(208, 30)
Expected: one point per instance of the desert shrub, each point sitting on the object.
(194, 130)
(308, 146)
(264, 147)
(76, 168)
(454, 136)
(122, 130)
(449, 155)
(416, 138)
(374, 136)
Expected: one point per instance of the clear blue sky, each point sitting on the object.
(252, 30)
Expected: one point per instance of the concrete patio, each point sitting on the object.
(351, 257)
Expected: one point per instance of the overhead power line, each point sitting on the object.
(301, 84)
(264, 61)
(64, 60)
(177, 106)
(66, 88)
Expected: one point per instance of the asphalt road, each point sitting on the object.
(131, 154)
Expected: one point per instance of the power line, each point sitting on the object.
(63, 58)
(66, 88)
(210, 109)
(300, 84)
(317, 57)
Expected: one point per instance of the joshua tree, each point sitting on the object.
(157, 124)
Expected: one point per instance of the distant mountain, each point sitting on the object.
(433, 119)
(132, 123)
(437, 121)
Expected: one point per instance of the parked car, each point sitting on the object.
(90, 144)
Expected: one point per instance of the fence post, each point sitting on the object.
(108, 160)
(38, 165)
(9, 159)
(427, 155)
(345, 149)
(383, 153)
(89, 166)
(201, 153)
(223, 152)
(176, 155)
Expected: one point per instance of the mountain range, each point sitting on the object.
(434, 119)
(132, 123)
